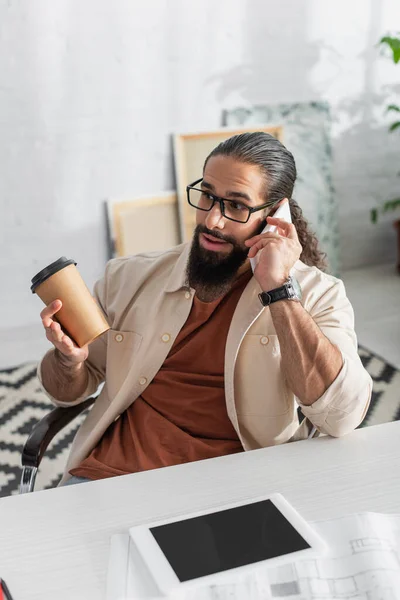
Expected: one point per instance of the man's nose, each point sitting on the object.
(215, 218)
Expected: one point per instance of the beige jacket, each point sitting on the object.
(146, 303)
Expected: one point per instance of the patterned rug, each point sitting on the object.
(23, 403)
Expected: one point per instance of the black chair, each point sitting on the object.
(40, 437)
(48, 427)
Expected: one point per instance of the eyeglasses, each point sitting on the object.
(230, 209)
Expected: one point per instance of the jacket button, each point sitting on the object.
(187, 295)
(166, 337)
(119, 337)
(143, 381)
(264, 340)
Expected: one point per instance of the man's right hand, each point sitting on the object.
(66, 350)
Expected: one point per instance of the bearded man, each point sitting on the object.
(204, 357)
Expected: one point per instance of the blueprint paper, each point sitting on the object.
(363, 563)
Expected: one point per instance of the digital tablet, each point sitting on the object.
(211, 546)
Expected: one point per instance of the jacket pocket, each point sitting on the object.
(122, 349)
(260, 388)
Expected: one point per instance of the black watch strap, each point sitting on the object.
(268, 298)
(286, 292)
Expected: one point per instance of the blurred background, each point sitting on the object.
(92, 94)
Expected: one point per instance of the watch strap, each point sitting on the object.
(268, 298)
(285, 292)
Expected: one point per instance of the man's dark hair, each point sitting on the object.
(277, 165)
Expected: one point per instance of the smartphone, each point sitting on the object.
(283, 212)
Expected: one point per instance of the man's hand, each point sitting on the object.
(278, 253)
(67, 352)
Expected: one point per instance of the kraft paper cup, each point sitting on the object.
(80, 316)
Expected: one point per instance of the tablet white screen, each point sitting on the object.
(223, 540)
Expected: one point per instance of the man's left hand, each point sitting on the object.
(277, 254)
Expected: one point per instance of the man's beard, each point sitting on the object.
(211, 273)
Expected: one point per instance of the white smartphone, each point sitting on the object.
(283, 212)
(211, 547)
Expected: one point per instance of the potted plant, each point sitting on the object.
(393, 43)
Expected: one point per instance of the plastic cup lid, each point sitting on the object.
(48, 271)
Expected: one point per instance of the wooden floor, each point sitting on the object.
(373, 291)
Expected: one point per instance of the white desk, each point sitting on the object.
(54, 544)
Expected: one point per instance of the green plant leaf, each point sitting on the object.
(387, 206)
(391, 205)
(388, 39)
(394, 44)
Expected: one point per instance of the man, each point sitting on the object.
(198, 361)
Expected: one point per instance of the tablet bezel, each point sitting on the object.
(165, 576)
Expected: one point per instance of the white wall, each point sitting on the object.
(91, 90)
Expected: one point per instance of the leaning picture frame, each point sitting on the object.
(143, 224)
(307, 134)
(190, 152)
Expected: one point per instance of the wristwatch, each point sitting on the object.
(290, 290)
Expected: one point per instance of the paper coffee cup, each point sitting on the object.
(80, 316)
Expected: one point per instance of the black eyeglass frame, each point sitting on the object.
(221, 202)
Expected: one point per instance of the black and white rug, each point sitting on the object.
(23, 403)
(385, 401)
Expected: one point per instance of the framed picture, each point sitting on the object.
(306, 127)
(190, 152)
(142, 224)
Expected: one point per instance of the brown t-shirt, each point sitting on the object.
(181, 416)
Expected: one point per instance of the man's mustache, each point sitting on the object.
(217, 235)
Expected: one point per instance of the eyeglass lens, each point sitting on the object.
(204, 201)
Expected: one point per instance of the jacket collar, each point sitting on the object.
(177, 278)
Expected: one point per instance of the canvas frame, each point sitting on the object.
(307, 134)
(156, 224)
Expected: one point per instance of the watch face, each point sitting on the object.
(296, 287)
